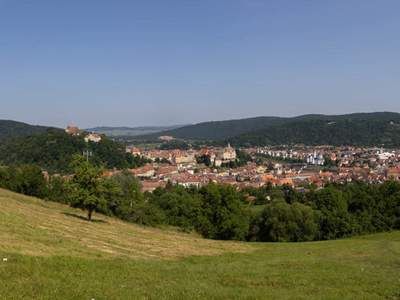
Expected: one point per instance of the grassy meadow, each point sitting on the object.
(52, 252)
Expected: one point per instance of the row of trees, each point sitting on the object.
(337, 211)
(220, 211)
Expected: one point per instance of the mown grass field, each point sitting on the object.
(54, 253)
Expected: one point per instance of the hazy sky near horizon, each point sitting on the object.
(135, 63)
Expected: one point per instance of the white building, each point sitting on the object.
(92, 137)
(316, 159)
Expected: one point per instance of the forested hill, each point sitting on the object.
(53, 150)
(9, 129)
(217, 130)
(324, 132)
(227, 129)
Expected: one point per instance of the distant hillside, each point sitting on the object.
(217, 130)
(130, 131)
(370, 132)
(228, 129)
(53, 150)
(9, 129)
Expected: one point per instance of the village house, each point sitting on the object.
(73, 130)
(92, 137)
(184, 171)
(227, 153)
(187, 182)
(146, 171)
(151, 185)
(393, 173)
(134, 151)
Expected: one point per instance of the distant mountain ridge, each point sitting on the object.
(212, 131)
(221, 130)
(346, 132)
(9, 129)
(131, 131)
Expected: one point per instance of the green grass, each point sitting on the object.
(52, 253)
(255, 209)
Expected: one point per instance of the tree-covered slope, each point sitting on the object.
(228, 129)
(217, 130)
(324, 132)
(52, 150)
(9, 129)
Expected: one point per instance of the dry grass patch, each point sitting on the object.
(366, 255)
(33, 226)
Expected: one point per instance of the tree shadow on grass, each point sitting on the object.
(83, 218)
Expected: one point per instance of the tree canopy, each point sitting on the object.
(88, 189)
(53, 151)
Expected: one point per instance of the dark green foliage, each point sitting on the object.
(283, 222)
(90, 191)
(32, 182)
(204, 159)
(217, 130)
(227, 129)
(214, 211)
(130, 186)
(224, 215)
(337, 212)
(108, 154)
(335, 220)
(84, 189)
(141, 213)
(28, 180)
(218, 211)
(386, 214)
(323, 132)
(53, 151)
(146, 214)
(175, 144)
(361, 202)
(131, 206)
(57, 190)
(135, 161)
(292, 196)
(9, 129)
(9, 178)
(180, 208)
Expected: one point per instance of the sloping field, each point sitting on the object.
(49, 251)
(35, 227)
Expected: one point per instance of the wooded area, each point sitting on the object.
(220, 211)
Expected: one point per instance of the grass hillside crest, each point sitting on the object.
(49, 251)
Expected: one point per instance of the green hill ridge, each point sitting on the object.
(351, 132)
(53, 150)
(220, 130)
(9, 129)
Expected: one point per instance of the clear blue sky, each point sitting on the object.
(132, 63)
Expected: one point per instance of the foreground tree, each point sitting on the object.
(223, 216)
(283, 222)
(86, 187)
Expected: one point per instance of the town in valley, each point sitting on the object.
(298, 166)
